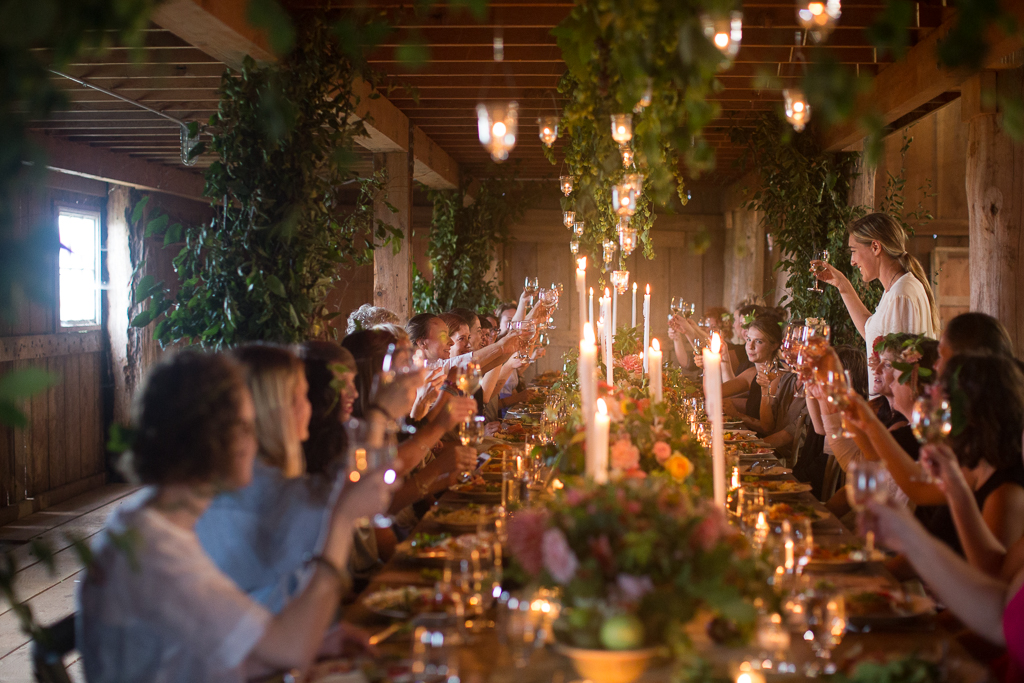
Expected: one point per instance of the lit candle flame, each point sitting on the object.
(591, 291)
(581, 263)
(648, 289)
(655, 345)
(602, 407)
(607, 293)
(716, 343)
(634, 287)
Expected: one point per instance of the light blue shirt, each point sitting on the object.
(261, 536)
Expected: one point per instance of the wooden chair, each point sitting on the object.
(49, 649)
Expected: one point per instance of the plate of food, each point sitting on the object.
(402, 602)
(436, 548)
(845, 557)
(879, 608)
(774, 487)
(765, 468)
(466, 518)
(739, 435)
(747, 448)
(479, 488)
(546, 379)
(777, 512)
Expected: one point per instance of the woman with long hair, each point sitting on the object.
(153, 605)
(878, 248)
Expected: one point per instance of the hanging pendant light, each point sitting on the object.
(798, 112)
(624, 198)
(724, 30)
(578, 227)
(568, 218)
(574, 246)
(636, 181)
(646, 98)
(622, 128)
(565, 182)
(818, 17)
(627, 155)
(609, 252)
(497, 125)
(627, 236)
(548, 129)
(620, 281)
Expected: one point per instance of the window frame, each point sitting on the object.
(81, 211)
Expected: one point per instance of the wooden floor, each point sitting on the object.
(51, 595)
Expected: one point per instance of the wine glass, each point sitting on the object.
(435, 658)
(825, 611)
(370, 453)
(467, 378)
(471, 433)
(399, 360)
(772, 369)
(931, 420)
(818, 266)
(866, 481)
(531, 286)
(549, 297)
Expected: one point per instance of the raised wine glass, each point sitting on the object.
(471, 433)
(531, 286)
(549, 297)
(866, 481)
(818, 266)
(931, 420)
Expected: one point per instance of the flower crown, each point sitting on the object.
(910, 354)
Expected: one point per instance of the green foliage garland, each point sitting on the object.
(463, 240)
(262, 268)
(803, 197)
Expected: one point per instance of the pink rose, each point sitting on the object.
(662, 451)
(559, 559)
(633, 588)
(525, 536)
(624, 455)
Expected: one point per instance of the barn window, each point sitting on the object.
(79, 267)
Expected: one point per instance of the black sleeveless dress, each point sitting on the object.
(939, 520)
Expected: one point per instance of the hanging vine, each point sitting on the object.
(464, 238)
(262, 268)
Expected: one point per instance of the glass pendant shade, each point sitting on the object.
(622, 128)
(627, 156)
(818, 17)
(568, 218)
(578, 227)
(548, 129)
(636, 181)
(574, 246)
(624, 198)
(620, 280)
(498, 125)
(627, 237)
(725, 31)
(798, 112)
(565, 182)
(609, 251)
(646, 98)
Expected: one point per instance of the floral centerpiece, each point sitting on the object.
(636, 562)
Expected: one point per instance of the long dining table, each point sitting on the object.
(485, 658)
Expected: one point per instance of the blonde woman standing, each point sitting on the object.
(878, 248)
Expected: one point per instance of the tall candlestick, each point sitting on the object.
(633, 322)
(647, 323)
(615, 312)
(587, 368)
(654, 353)
(713, 407)
(581, 288)
(600, 331)
(591, 316)
(601, 428)
(608, 362)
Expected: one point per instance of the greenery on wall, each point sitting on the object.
(464, 238)
(803, 197)
(262, 268)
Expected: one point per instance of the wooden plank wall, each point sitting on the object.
(60, 453)
(540, 247)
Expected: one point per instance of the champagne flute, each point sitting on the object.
(818, 266)
(772, 369)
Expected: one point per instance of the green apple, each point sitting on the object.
(622, 632)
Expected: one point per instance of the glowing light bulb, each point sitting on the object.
(499, 129)
(721, 40)
(622, 128)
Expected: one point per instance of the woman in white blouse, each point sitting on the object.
(878, 247)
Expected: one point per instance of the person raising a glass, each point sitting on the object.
(878, 248)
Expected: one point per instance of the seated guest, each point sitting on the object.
(368, 316)
(458, 332)
(764, 337)
(153, 606)
(987, 393)
(973, 333)
(429, 333)
(475, 327)
(505, 313)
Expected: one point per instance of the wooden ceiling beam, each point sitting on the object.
(100, 164)
(916, 80)
(219, 28)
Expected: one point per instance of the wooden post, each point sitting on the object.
(392, 273)
(995, 176)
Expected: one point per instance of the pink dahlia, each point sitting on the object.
(525, 539)
(559, 559)
(662, 452)
(624, 455)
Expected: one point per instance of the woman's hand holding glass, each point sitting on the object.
(455, 412)
(941, 466)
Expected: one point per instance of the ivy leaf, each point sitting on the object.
(275, 286)
(157, 225)
(140, 208)
(143, 319)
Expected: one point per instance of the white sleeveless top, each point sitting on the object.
(904, 308)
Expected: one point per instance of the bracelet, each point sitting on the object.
(330, 566)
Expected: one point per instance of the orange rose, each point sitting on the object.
(679, 466)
